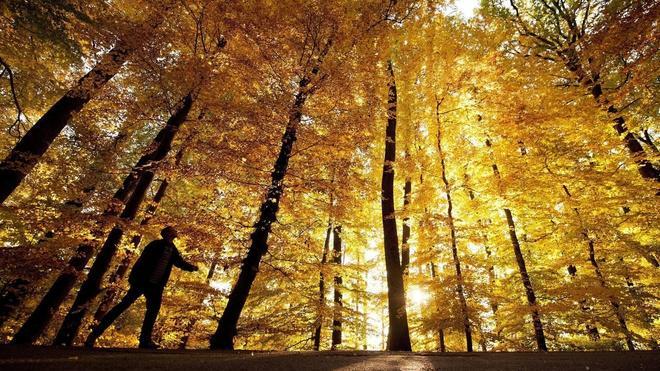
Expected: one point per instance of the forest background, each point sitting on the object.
(525, 163)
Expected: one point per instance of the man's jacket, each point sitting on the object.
(154, 265)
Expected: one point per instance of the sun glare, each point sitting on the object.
(417, 296)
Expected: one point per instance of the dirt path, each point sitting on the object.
(53, 358)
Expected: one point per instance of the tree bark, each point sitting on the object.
(324, 260)
(337, 315)
(529, 290)
(405, 233)
(398, 336)
(441, 335)
(35, 325)
(614, 301)
(28, 151)
(460, 283)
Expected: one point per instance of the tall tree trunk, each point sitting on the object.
(92, 284)
(28, 151)
(91, 287)
(614, 301)
(35, 325)
(529, 290)
(441, 335)
(460, 283)
(223, 338)
(405, 233)
(11, 296)
(491, 267)
(398, 336)
(337, 315)
(324, 260)
(591, 80)
(522, 269)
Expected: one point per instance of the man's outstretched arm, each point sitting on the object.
(182, 264)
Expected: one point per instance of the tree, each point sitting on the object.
(398, 335)
(460, 283)
(559, 31)
(337, 314)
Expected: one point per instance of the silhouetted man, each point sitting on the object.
(148, 277)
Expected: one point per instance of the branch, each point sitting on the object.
(16, 126)
(557, 22)
(583, 28)
(527, 31)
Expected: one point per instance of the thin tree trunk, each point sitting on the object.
(460, 283)
(11, 296)
(441, 334)
(398, 336)
(614, 301)
(522, 269)
(491, 267)
(223, 338)
(324, 260)
(28, 151)
(337, 315)
(529, 290)
(405, 233)
(35, 325)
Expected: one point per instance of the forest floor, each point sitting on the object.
(54, 358)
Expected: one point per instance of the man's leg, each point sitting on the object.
(154, 297)
(128, 299)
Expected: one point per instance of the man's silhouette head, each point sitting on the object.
(168, 233)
